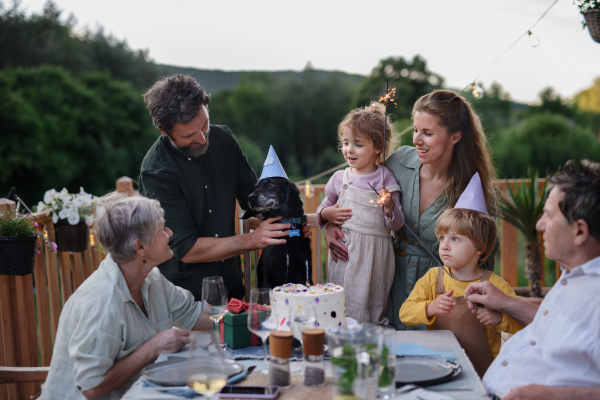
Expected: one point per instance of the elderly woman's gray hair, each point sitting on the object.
(123, 219)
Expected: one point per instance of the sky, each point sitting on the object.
(458, 38)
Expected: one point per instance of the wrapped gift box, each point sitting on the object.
(234, 331)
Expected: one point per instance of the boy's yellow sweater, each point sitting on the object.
(413, 311)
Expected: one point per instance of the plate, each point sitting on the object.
(425, 371)
(174, 371)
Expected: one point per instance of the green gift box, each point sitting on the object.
(234, 331)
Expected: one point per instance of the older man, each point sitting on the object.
(197, 184)
(557, 356)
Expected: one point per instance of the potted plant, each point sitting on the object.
(72, 217)
(591, 12)
(523, 208)
(19, 242)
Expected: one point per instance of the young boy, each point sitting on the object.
(467, 237)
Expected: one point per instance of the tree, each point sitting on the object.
(46, 39)
(589, 100)
(543, 142)
(412, 79)
(59, 131)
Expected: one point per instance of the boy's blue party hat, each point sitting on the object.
(472, 198)
(272, 167)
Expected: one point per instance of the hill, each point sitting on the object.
(214, 81)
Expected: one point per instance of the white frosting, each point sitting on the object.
(329, 302)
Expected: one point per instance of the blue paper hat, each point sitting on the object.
(472, 198)
(272, 167)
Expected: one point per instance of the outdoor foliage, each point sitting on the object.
(412, 79)
(46, 39)
(60, 131)
(542, 141)
(523, 208)
(14, 224)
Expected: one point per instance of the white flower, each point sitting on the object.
(89, 220)
(64, 196)
(54, 218)
(41, 205)
(49, 196)
(64, 213)
(73, 218)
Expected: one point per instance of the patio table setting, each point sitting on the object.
(430, 350)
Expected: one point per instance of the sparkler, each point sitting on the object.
(385, 99)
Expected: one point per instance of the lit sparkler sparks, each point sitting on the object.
(388, 97)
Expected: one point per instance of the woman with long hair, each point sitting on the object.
(450, 147)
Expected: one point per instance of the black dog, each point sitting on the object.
(284, 263)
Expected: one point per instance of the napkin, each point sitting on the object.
(188, 392)
(422, 394)
(411, 349)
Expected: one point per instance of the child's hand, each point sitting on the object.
(336, 215)
(389, 202)
(488, 317)
(443, 304)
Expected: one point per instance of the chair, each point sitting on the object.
(250, 259)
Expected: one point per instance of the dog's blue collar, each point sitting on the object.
(296, 224)
(290, 220)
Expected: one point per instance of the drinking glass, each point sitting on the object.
(261, 319)
(214, 302)
(207, 371)
(302, 318)
(387, 369)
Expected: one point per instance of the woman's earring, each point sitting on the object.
(144, 261)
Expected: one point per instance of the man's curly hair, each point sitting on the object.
(175, 99)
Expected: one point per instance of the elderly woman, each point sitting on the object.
(123, 316)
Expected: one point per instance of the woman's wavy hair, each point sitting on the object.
(368, 122)
(472, 152)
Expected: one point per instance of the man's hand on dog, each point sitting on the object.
(268, 232)
(335, 215)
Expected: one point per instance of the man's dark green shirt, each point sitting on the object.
(198, 195)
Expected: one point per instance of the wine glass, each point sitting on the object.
(207, 371)
(214, 302)
(261, 319)
(302, 318)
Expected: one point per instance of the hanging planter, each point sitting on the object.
(17, 255)
(18, 242)
(71, 215)
(73, 238)
(592, 20)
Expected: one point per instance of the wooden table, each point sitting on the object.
(443, 341)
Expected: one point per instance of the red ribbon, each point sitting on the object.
(237, 306)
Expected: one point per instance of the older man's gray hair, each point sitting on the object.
(123, 219)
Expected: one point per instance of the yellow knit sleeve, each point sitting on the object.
(508, 324)
(413, 311)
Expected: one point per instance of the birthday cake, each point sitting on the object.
(328, 301)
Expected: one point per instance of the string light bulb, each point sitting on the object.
(534, 41)
(477, 91)
(309, 190)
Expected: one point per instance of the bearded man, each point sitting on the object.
(197, 171)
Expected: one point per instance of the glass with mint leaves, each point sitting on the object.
(356, 357)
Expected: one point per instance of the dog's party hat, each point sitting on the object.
(272, 167)
(472, 198)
